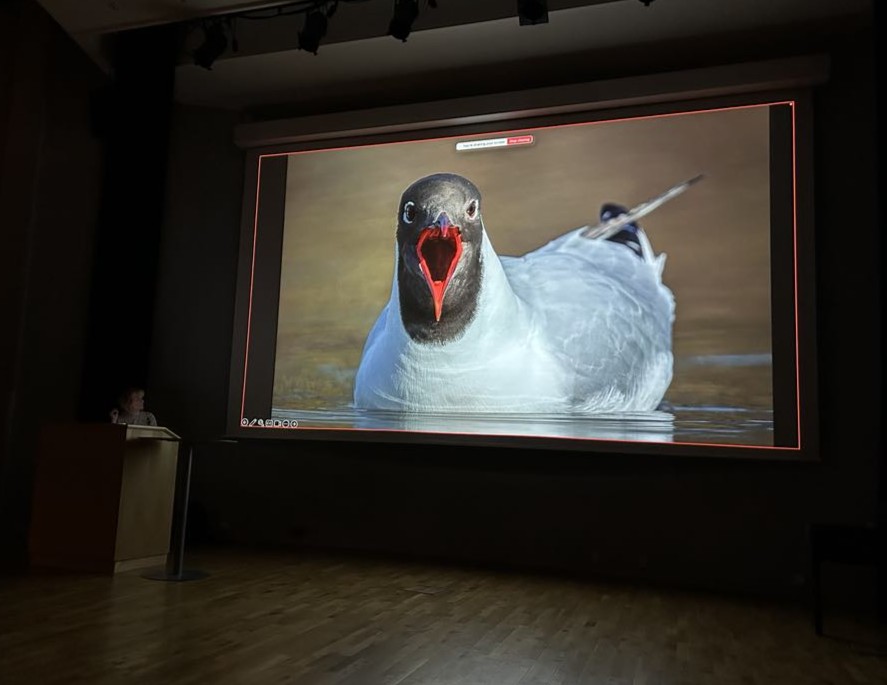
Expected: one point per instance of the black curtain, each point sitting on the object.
(132, 117)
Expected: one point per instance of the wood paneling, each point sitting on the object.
(103, 496)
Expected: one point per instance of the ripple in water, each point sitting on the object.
(707, 424)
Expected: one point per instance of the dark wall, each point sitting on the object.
(880, 12)
(718, 524)
(50, 170)
(191, 348)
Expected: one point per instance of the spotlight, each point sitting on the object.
(313, 31)
(532, 12)
(405, 13)
(214, 44)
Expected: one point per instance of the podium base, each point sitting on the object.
(181, 576)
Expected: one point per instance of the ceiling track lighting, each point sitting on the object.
(313, 31)
(405, 13)
(214, 44)
(317, 15)
(531, 12)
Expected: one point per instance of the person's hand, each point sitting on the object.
(114, 415)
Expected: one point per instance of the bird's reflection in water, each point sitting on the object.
(654, 426)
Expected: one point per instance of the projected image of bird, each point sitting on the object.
(581, 324)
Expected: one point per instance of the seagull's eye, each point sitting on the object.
(471, 209)
(409, 212)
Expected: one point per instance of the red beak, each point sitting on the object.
(439, 248)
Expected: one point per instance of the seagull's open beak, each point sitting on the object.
(439, 248)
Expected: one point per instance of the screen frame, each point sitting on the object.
(396, 126)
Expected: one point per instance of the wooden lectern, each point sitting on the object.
(103, 497)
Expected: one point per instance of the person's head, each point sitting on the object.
(132, 400)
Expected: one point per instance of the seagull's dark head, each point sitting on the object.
(439, 266)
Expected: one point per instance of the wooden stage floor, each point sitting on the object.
(311, 618)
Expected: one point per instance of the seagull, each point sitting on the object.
(580, 325)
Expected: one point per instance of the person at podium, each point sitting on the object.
(131, 409)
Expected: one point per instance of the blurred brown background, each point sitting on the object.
(341, 207)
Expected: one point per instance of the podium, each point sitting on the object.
(103, 497)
